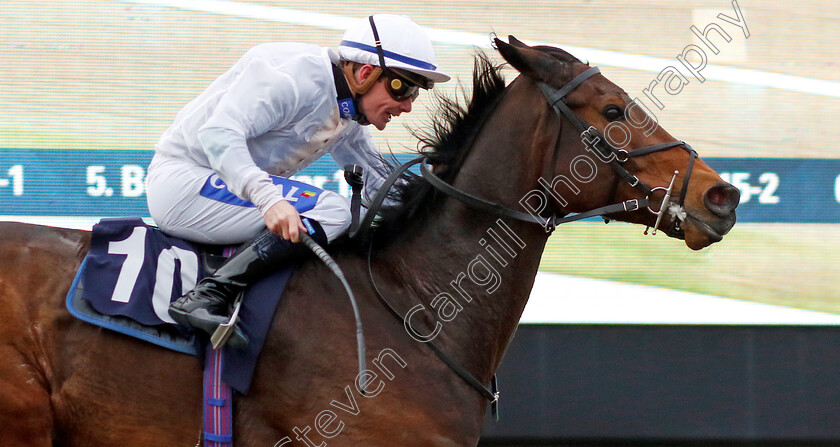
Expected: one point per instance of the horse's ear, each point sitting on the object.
(516, 42)
(529, 61)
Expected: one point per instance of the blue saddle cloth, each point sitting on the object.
(131, 274)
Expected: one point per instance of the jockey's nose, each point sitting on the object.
(405, 105)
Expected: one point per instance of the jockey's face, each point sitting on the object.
(378, 104)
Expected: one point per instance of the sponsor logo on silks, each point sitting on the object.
(346, 108)
(301, 195)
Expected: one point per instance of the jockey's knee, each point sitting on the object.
(333, 213)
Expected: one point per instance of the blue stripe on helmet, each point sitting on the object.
(389, 54)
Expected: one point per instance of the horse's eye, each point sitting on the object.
(612, 113)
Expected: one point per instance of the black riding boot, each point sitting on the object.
(207, 305)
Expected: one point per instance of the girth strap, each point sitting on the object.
(218, 403)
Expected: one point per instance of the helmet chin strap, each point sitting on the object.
(360, 88)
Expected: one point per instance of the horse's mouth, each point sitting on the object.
(713, 234)
(699, 233)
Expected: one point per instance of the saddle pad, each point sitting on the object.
(135, 270)
(131, 274)
(166, 336)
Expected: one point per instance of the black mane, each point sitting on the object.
(445, 144)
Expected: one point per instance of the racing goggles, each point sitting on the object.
(400, 87)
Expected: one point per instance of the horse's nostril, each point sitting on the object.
(717, 196)
(722, 198)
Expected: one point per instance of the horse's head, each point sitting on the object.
(621, 153)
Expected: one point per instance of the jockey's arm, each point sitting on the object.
(261, 98)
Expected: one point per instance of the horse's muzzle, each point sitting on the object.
(710, 225)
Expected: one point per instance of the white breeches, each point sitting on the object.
(178, 208)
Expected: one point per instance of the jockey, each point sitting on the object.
(278, 109)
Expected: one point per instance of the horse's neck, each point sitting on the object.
(479, 265)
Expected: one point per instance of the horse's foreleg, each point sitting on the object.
(25, 411)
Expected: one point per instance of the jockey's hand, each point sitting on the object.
(284, 220)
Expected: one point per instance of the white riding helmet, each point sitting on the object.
(405, 45)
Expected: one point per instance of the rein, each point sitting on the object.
(491, 393)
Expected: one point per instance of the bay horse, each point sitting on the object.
(458, 276)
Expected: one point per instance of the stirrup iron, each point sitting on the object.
(224, 331)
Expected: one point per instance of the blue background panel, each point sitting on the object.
(110, 183)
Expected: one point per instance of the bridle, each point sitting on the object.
(556, 98)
